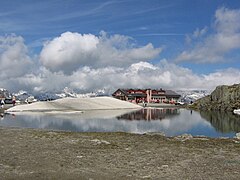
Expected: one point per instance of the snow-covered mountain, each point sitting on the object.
(4, 93)
(66, 92)
(46, 96)
(189, 96)
(22, 95)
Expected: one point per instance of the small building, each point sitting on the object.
(147, 95)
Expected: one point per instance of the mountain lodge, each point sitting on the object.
(147, 95)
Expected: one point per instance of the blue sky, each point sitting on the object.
(189, 35)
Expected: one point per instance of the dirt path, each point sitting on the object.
(36, 154)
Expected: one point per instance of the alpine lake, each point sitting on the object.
(170, 121)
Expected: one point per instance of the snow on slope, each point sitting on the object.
(192, 95)
(76, 104)
(236, 111)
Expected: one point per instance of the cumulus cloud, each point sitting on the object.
(16, 67)
(71, 51)
(215, 47)
(139, 75)
(227, 21)
(14, 58)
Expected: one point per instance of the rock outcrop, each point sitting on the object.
(223, 98)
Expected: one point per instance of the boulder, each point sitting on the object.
(237, 136)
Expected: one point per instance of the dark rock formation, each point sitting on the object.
(223, 98)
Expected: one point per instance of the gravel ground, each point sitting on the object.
(40, 154)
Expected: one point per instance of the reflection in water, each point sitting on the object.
(224, 122)
(150, 114)
(170, 121)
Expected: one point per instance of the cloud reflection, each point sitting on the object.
(170, 121)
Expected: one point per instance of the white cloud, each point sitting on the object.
(214, 47)
(227, 21)
(71, 51)
(16, 65)
(141, 66)
(220, 77)
(14, 59)
(199, 32)
(139, 75)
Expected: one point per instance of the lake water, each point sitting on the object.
(170, 121)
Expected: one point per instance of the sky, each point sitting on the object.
(91, 45)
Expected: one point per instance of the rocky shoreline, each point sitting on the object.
(40, 154)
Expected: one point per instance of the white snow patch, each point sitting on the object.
(236, 111)
(76, 104)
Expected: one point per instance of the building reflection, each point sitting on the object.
(149, 114)
(224, 122)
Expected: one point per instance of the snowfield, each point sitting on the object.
(237, 111)
(75, 104)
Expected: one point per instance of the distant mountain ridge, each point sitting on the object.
(22, 95)
(188, 96)
(4, 93)
(223, 98)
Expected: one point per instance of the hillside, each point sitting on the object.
(223, 98)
